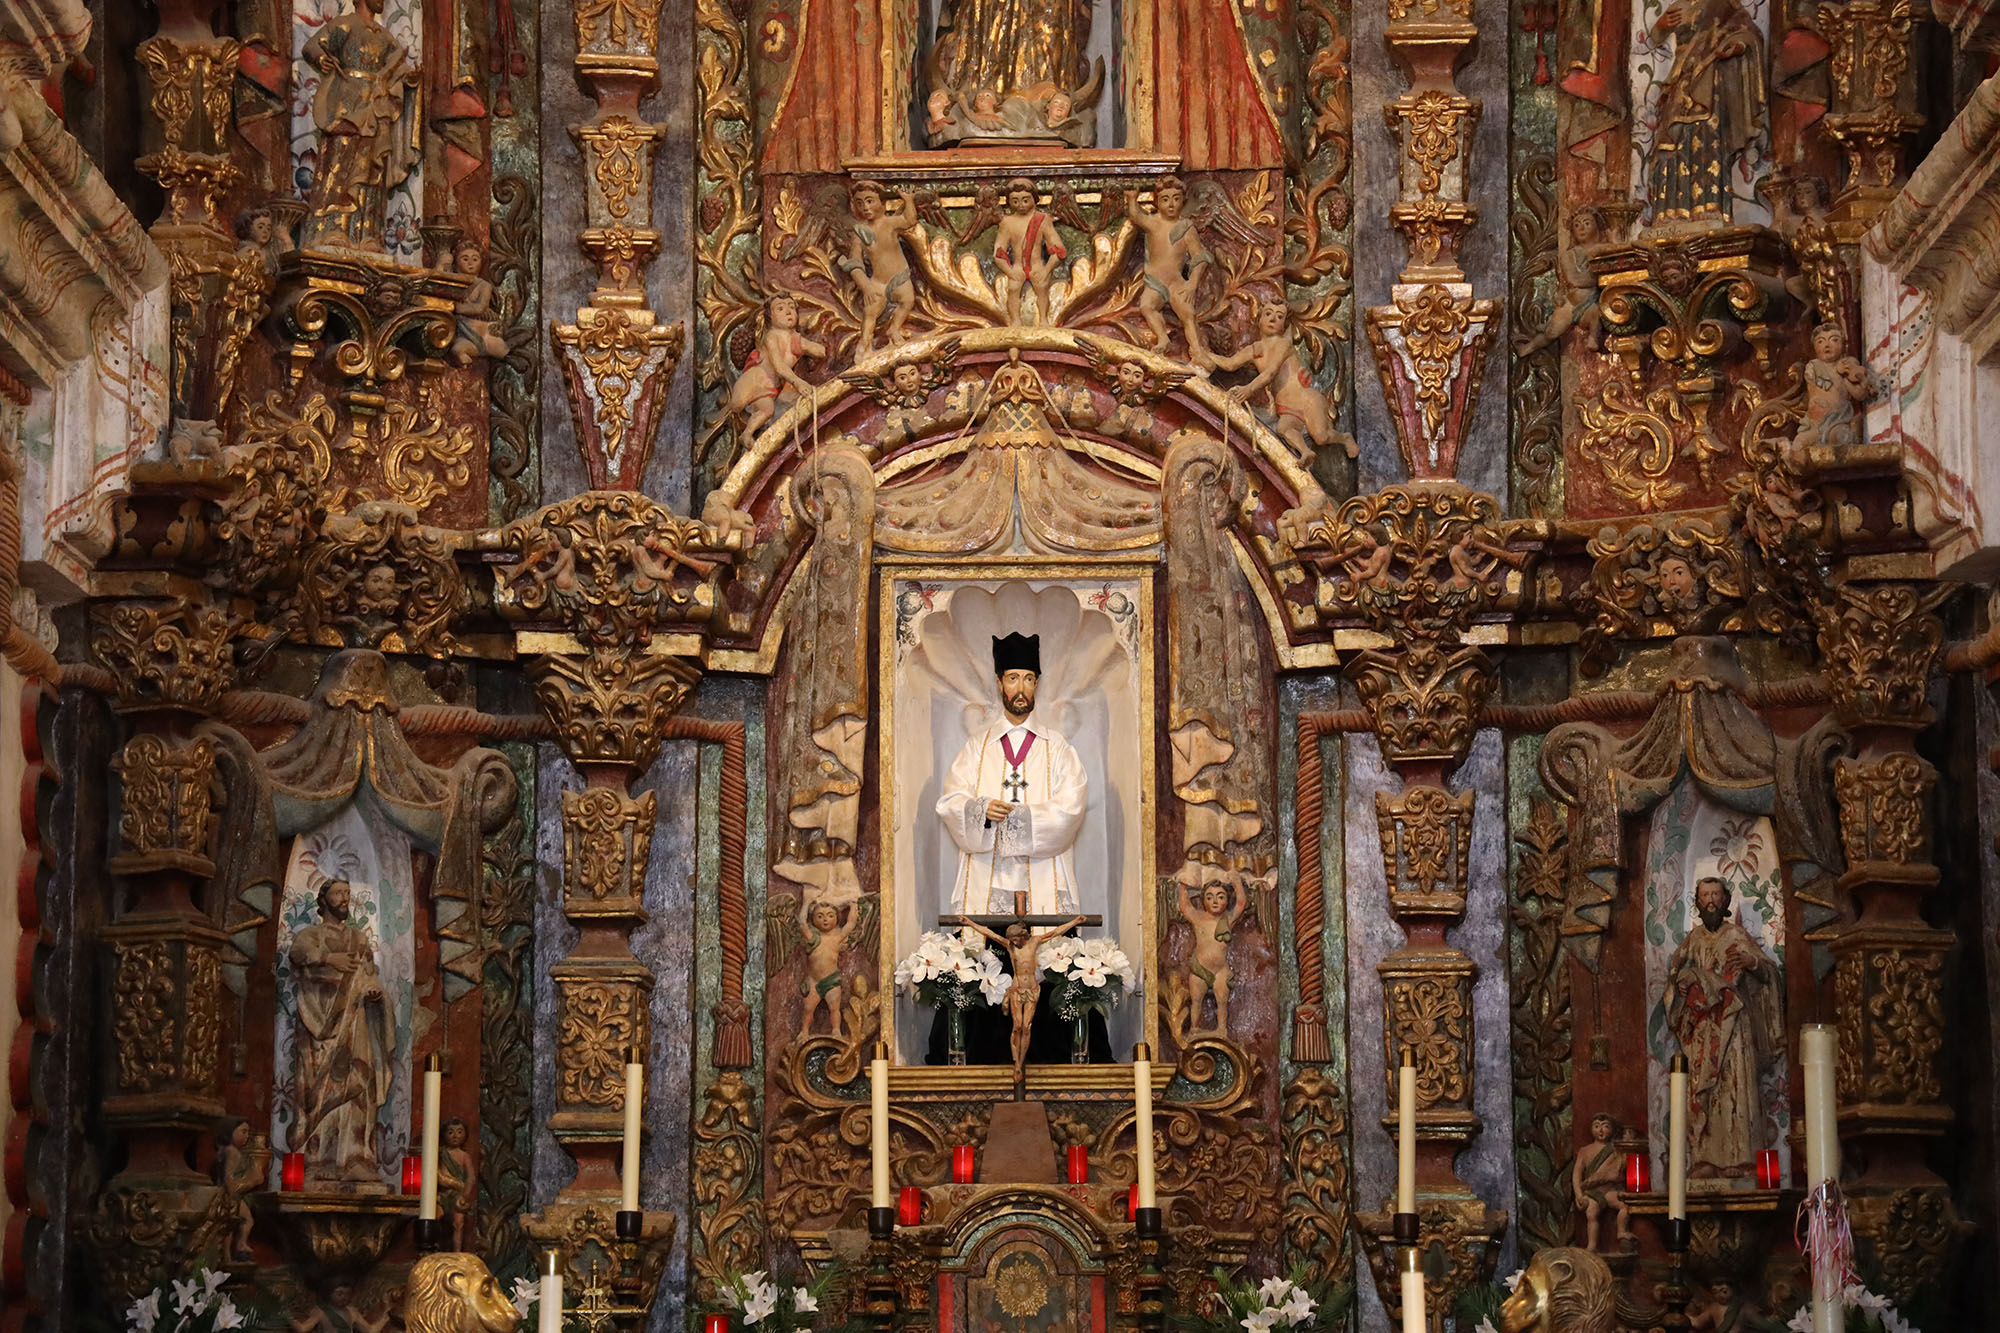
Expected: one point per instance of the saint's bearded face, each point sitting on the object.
(1712, 901)
(1017, 692)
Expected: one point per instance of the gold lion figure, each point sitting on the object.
(454, 1293)
(1565, 1290)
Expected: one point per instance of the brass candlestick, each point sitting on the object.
(883, 1296)
(1149, 1233)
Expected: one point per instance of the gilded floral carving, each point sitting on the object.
(1429, 1015)
(1425, 700)
(1314, 1117)
(601, 1021)
(607, 838)
(1883, 809)
(164, 817)
(612, 566)
(1427, 847)
(145, 1002)
(166, 654)
(1879, 641)
(1416, 560)
(1680, 576)
(611, 708)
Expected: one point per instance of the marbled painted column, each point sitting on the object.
(169, 663)
(1879, 642)
(617, 355)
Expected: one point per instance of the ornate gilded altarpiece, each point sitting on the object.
(1450, 481)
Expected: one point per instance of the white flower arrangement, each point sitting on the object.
(1282, 1304)
(526, 1295)
(1877, 1315)
(1082, 971)
(762, 1300)
(946, 972)
(198, 1307)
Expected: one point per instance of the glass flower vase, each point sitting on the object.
(1079, 1038)
(954, 1027)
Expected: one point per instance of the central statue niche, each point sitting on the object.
(1023, 71)
(1093, 700)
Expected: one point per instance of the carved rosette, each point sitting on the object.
(1879, 641)
(164, 819)
(607, 839)
(1427, 847)
(1884, 810)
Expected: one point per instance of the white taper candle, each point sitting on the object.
(1142, 1121)
(1406, 1133)
(427, 1198)
(1816, 1062)
(1677, 1138)
(878, 1126)
(635, 1101)
(549, 1313)
(1414, 1320)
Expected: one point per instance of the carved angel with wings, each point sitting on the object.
(905, 391)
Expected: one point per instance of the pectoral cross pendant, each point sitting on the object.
(1015, 785)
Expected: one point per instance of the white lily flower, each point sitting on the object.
(804, 1302)
(527, 1291)
(144, 1313)
(226, 1315)
(1298, 1308)
(190, 1300)
(1260, 1321)
(1802, 1322)
(1273, 1290)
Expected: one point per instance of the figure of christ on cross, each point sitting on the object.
(1022, 946)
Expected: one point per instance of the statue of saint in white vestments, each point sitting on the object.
(1013, 801)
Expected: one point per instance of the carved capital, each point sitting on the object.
(585, 1234)
(613, 567)
(1416, 561)
(1425, 699)
(1426, 848)
(166, 655)
(164, 818)
(1879, 641)
(374, 315)
(607, 839)
(612, 708)
(1884, 809)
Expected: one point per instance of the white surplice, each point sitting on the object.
(1031, 849)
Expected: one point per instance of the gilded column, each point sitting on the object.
(618, 588)
(170, 661)
(1424, 688)
(1874, 110)
(1879, 642)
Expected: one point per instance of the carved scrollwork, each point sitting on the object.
(145, 1025)
(1883, 809)
(1427, 847)
(1425, 699)
(729, 1217)
(166, 654)
(281, 466)
(607, 838)
(1681, 576)
(1430, 1014)
(1543, 1023)
(164, 819)
(1316, 1203)
(378, 578)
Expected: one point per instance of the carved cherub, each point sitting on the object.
(475, 311)
(1837, 385)
(1212, 913)
(770, 382)
(905, 391)
(377, 604)
(1304, 418)
(1175, 260)
(256, 231)
(1799, 209)
(240, 1172)
(1026, 249)
(937, 112)
(455, 1176)
(1135, 388)
(826, 928)
(876, 263)
(1596, 1181)
(1589, 234)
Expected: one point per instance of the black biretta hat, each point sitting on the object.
(1017, 652)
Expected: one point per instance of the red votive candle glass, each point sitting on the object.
(910, 1206)
(413, 1175)
(1132, 1202)
(715, 1323)
(1767, 1169)
(961, 1164)
(1078, 1161)
(292, 1175)
(1638, 1173)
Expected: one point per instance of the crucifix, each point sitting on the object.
(1015, 785)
